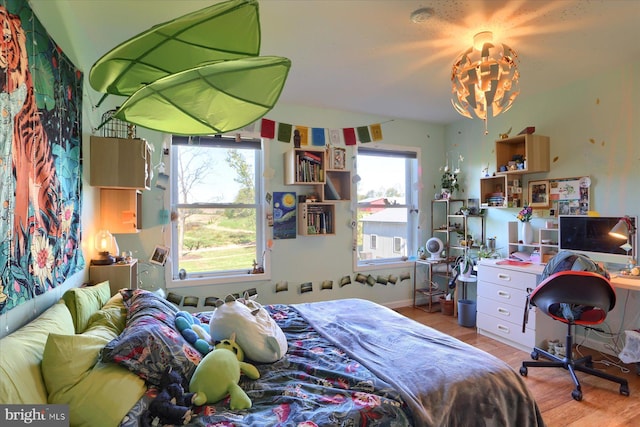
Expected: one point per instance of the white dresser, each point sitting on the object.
(502, 297)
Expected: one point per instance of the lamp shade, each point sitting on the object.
(621, 230)
(485, 77)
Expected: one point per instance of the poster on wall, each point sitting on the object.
(284, 215)
(40, 167)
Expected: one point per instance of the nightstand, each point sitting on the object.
(119, 275)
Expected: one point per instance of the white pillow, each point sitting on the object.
(257, 334)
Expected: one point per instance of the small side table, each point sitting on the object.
(119, 275)
(463, 291)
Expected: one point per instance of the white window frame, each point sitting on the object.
(412, 202)
(223, 277)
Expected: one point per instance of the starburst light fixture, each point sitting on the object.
(485, 76)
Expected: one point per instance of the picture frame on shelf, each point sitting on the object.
(338, 157)
(539, 194)
(159, 255)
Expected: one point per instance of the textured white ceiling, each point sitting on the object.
(368, 56)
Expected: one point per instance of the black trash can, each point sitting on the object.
(467, 313)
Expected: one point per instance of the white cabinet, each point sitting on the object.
(502, 298)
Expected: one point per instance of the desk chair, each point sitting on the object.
(575, 298)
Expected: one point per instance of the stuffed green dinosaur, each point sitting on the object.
(218, 373)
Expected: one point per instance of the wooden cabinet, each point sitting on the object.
(531, 148)
(501, 191)
(316, 219)
(122, 169)
(502, 296)
(310, 167)
(543, 249)
(119, 275)
(120, 163)
(120, 210)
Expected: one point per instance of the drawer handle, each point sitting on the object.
(504, 312)
(503, 329)
(504, 276)
(504, 294)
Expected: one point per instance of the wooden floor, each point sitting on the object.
(601, 405)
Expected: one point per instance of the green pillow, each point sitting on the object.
(83, 302)
(98, 394)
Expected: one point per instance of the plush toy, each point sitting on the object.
(218, 373)
(256, 332)
(192, 331)
(172, 405)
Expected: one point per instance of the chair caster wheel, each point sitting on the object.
(524, 370)
(577, 395)
(534, 355)
(624, 389)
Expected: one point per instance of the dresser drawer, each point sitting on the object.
(504, 294)
(506, 329)
(505, 277)
(506, 310)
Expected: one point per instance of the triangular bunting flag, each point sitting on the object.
(376, 132)
(304, 134)
(317, 137)
(268, 129)
(363, 134)
(349, 136)
(284, 132)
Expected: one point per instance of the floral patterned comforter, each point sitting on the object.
(314, 384)
(352, 362)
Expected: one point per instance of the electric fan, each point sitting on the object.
(435, 247)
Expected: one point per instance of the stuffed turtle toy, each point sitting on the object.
(218, 373)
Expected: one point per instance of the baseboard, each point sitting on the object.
(399, 304)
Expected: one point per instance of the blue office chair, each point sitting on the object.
(575, 298)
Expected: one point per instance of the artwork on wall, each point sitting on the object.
(40, 166)
(284, 215)
(570, 196)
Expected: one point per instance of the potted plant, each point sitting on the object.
(464, 264)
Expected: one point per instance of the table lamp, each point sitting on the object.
(624, 229)
(105, 244)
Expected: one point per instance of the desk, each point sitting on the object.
(619, 281)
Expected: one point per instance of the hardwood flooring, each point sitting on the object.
(602, 405)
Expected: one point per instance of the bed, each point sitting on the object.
(349, 362)
(353, 362)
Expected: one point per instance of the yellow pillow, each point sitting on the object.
(83, 302)
(98, 394)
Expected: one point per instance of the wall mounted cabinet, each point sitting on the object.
(122, 169)
(120, 163)
(316, 219)
(532, 148)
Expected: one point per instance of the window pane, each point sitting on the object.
(215, 197)
(217, 239)
(215, 175)
(383, 201)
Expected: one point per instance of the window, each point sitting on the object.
(216, 191)
(397, 245)
(387, 204)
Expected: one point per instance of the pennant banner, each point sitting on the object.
(319, 137)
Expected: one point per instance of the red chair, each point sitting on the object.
(575, 298)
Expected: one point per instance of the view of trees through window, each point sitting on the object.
(215, 200)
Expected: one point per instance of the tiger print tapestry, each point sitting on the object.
(40, 159)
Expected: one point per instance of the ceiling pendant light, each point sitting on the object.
(484, 77)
